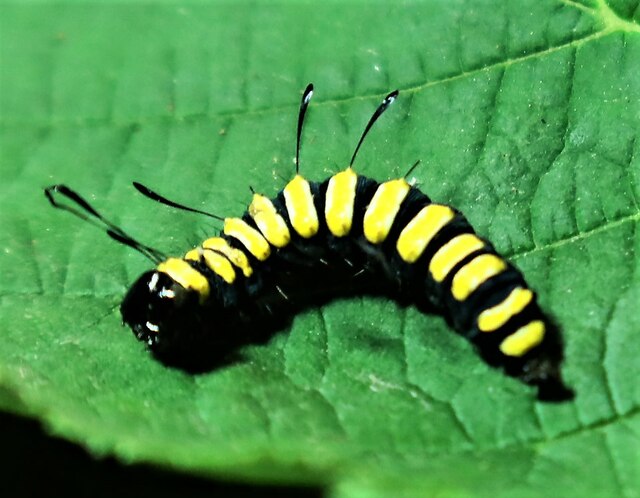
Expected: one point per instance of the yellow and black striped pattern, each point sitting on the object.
(461, 264)
(339, 202)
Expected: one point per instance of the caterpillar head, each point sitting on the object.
(177, 326)
(159, 310)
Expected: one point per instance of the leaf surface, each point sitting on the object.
(525, 115)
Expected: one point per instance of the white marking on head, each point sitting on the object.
(154, 281)
(168, 293)
(152, 327)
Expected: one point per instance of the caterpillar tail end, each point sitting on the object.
(544, 373)
(541, 368)
(554, 391)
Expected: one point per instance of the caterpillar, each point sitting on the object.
(347, 235)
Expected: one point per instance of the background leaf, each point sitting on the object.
(525, 115)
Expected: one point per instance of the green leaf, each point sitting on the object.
(525, 115)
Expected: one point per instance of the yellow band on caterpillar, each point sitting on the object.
(193, 255)
(253, 240)
(270, 223)
(236, 256)
(495, 317)
(220, 265)
(181, 272)
(302, 211)
(475, 273)
(424, 226)
(383, 208)
(339, 202)
(524, 339)
(450, 254)
(216, 262)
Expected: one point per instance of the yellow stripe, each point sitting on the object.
(236, 256)
(253, 240)
(270, 223)
(220, 265)
(193, 255)
(339, 201)
(299, 202)
(524, 339)
(216, 262)
(475, 273)
(450, 254)
(495, 317)
(181, 272)
(424, 226)
(383, 208)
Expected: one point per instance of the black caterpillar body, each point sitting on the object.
(348, 235)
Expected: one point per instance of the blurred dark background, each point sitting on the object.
(36, 464)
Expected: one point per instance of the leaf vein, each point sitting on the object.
(96, 122)
(609, 225)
